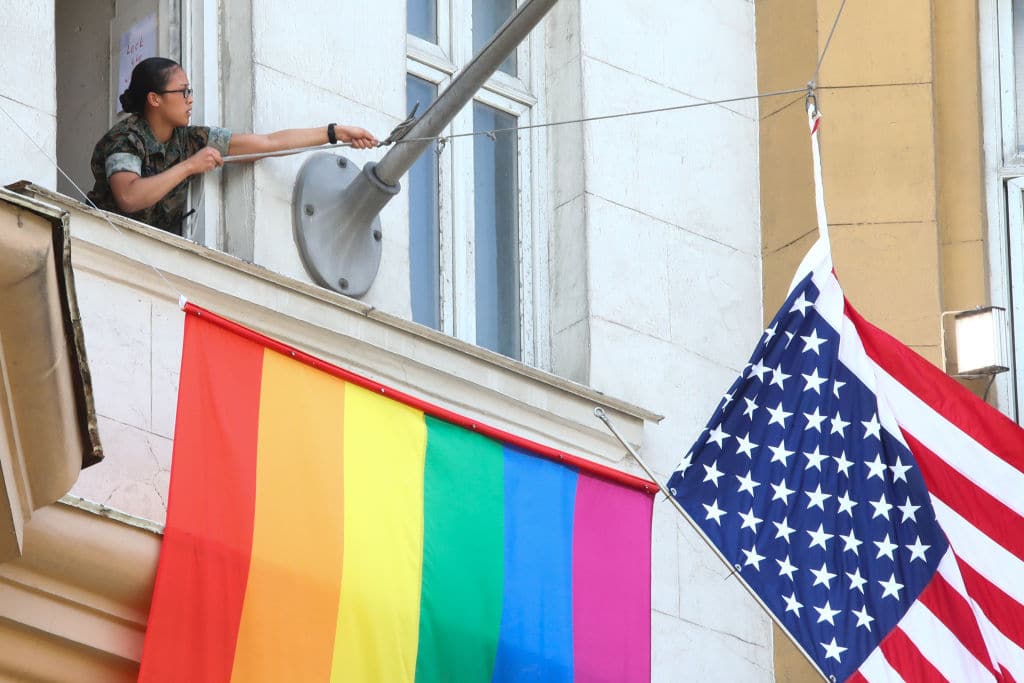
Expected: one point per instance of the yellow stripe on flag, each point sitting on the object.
(291, 597)
(378, 616)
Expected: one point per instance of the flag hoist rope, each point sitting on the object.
(491, 133)
(814, 123)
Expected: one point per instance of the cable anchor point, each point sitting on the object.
(402, 129)
(811, 99)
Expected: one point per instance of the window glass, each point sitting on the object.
(488, 16)
(422, 19)
(496, 233)
(424, 220)
(1018, 63)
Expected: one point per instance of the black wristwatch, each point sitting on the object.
(330, 133)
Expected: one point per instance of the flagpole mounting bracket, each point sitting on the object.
(336, 222)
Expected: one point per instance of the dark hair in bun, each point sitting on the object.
(149, 75)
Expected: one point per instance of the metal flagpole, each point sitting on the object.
(733, 569)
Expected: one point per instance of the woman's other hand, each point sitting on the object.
(205, 160)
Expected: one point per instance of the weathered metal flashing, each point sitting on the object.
(92, 449)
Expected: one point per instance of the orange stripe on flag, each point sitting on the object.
(291, 600)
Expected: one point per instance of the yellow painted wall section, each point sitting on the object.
(963, 230)
(901, 149)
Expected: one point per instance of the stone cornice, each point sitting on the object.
(78, 598)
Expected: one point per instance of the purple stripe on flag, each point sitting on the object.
(611, 583)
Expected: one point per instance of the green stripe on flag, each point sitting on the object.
(463, 555)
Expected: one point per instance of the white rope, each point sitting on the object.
(814, 122)
(282, 153)
(605, 117)
(493, 132)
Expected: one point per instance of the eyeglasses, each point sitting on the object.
(185, 92)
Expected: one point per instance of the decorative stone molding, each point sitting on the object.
(78, 598)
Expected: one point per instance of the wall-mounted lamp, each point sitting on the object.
(979, 337)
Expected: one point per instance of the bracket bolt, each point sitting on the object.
(377, 235)
(343, 283)
(308, 208)
(342, 162)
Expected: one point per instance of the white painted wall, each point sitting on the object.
(28, 93)
(318, 62)
(656, 268)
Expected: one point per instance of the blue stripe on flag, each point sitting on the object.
(535, 641)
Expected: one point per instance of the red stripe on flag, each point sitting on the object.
(1002, 610)
(856, 678)
(210, 510)
(970, 414)
(955, 613)
(904, 657)
(985, 512)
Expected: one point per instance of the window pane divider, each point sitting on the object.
(508, 92)
(419, 50)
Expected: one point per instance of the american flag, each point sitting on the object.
(874, 505)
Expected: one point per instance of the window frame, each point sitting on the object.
(1004, 189)
(200, 58)
(521, 97)
(1015, 225)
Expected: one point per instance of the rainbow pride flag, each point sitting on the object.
(322, 527)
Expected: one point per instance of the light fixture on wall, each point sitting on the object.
(979, 336)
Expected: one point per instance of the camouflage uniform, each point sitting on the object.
(130, 146)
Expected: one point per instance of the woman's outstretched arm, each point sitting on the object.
(294, 138)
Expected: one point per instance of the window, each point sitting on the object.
(1002, 78)
(1015, 225)
(1010, 65)
(424, 222)
(1018, 64)
(488, 16)
(474, 230)
(422, 19)
(496, 231)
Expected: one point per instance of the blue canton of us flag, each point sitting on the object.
(821, 511)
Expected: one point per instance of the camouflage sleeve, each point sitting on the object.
(220, 139)
(122, 153)
(202, 136)
(123, 161)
